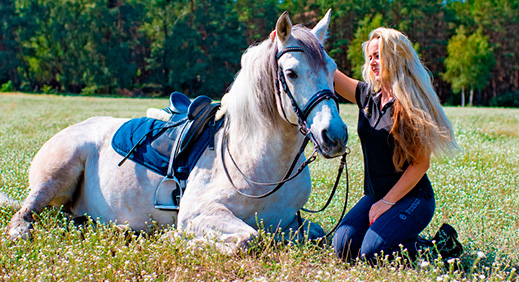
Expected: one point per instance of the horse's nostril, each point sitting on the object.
(326, 139)
(334, 140)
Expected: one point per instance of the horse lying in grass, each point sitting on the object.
(284, 87)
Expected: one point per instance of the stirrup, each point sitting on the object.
(175, 198)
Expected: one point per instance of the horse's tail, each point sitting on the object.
(6, 201)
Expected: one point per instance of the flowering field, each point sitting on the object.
(477, 191)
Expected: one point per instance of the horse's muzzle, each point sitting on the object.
(332, 143)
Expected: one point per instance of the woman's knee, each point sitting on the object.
(373, 244)
(348, 237)
(345, 243)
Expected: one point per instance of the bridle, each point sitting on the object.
(302, 115)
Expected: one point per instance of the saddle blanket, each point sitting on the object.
(141, 132)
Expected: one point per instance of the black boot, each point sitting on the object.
(447, 242)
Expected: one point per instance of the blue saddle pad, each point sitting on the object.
(142, 131)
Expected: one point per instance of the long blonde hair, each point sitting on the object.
(420, 126)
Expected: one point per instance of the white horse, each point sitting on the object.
(78, 169)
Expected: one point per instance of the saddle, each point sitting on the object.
(170, 148)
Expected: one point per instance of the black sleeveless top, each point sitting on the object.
(380, 175)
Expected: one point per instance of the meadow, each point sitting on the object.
(477, 191)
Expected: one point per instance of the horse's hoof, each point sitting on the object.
(20, 230)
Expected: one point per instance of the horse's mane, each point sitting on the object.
(252, 96)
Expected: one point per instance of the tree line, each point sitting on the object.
(154, 47)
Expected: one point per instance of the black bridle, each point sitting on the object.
(302, 115)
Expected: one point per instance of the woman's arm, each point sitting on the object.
(345, 86)
(406, 183)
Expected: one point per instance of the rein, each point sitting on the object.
(279, 184)
(302, 114)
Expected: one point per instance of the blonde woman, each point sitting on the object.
(401, 123)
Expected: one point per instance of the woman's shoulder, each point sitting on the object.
(362, 94)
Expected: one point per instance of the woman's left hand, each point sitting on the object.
(377, 209)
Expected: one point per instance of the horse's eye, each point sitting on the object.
(292, 74)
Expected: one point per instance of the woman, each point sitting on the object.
(401, 123)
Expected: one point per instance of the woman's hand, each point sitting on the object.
(407, 181)
(378, 209)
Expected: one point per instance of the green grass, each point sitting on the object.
(477, 191)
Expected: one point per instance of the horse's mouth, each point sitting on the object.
(334, 152)
(331, 148)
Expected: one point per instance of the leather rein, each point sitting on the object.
(302, 115)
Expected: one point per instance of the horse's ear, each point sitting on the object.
(283, 27)
(320, 30)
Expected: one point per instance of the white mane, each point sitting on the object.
(251, 100)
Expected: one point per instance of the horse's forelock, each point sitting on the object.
(309, 43)
(312, 48)
(259, 69)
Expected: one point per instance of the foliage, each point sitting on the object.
(150, 48)
(469, 62)
(476, 191)
(7, 87)
(506, 100)
(355, 52)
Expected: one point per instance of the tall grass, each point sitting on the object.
(477, 191)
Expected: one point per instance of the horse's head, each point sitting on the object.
(305, 95)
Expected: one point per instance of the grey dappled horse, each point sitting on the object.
(78, 169)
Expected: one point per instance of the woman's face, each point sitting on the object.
(374, 58)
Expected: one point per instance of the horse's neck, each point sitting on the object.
(261, 149)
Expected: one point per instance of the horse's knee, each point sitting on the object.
(240, 241)
(309, 230)
(221, 224)
(315, 231)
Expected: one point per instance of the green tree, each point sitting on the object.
(9, 44)
(118, 47)
(223, 42)
(469, 63)
(55, 51)
(258, 17)
(346, 17)
(174, 45)
(499, 20)
(427, 23)
(196, 47)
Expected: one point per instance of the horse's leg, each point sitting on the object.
(222, 223)
(53, 178)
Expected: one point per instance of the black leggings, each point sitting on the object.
(400, 225)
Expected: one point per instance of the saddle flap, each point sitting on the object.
(197, 106)
(198, 125)
(179, 103)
